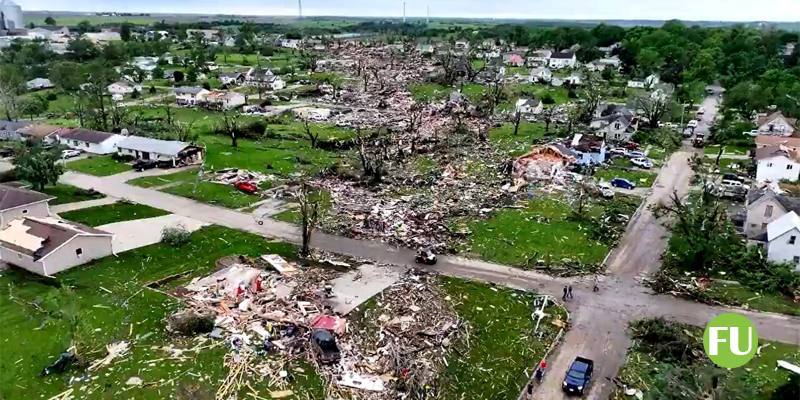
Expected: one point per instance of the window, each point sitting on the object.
(792, 239)
(769, 165)
(768, 211)
(789, 166)
(79, 252)
(763, 226)
(796, 259)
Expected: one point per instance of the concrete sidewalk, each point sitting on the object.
(62, 208)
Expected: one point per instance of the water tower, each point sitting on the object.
(10, 15)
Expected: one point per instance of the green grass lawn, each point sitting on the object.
(69, 194)
(238, 59)
(559, 94)
(189, 175)
(519, 144)
(539, 231)
(98, 166)
(106, 301)
(661, 376)
(501, 342)
(713, 150)
(641, 178)
(430, 92)
(213, 193)
(744, 296)
(110, 213)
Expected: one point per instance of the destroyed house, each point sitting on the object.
(43, 132)
(543, 163)
(588, 149)
(9, 130)
(17, 203)
(172, 151)
(46, 246)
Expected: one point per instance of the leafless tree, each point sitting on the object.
(230, 124)
(449, 64)
(548, 115)
(310, 212)
(312, 136)
(654, 106)
(183, 131)
(591, 93)
(517, 121)
(373, 154)
(375, 69)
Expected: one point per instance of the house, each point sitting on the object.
(461, 45)
(175, 152)
(224, 100)
(542, 163)
(103, 37)
(231, 78)
(290, 43)
(541, 74)
(190, 95)
(587, 149)
(616, 123)
(122, 88)
(792, 143)
(574, 79)
(93, 142)
(17, 203)
(611, 62)
(776, 124)
(529, 107)
(563, 59)
(46, 245)
(9, 130)
(636, 84)
(156, 35)
(147, 64)
(425, 49)
(513, 59)
(609, 49)
(39, 83)
(777, 163)
(594, 66)
(782, 241)
(765, 205)
(540, 57)
(208, 35)
(43, 132)
(264, 78)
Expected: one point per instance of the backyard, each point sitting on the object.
(107, 214)
(98, 166)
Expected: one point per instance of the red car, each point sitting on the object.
(631, 146)
(246, 187)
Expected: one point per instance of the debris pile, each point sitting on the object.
(232, 176)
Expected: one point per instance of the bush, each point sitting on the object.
(51, 96)
(122, 157)
(548, 99)
(175, 236)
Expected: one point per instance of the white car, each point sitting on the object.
(731, 184)
(692, 124)
(70, 153)
(618, 151)
(754, 132)
(636, 154)
(701, 111)
(642, 162)
(606, 190)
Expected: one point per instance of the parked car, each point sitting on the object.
(70, 153)
(642, 162)
(142, 165)
(732, 177)
(623, 183)
(6, 152)
(636, 154)
(618, 151)
(754, 132)
(687, 133)
(578, 376)
(323, 345)
(692, 124)
(701, 111)
(631, 145)
(733, 184)
(246, 187)
(606, 190)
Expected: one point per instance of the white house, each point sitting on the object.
(123, 87)
(223, 100)
(103, 37)
(17, 203)
(264, 78)
(783, 240)
(563, 59)
(290, 43)
(175, 152)
(765, 205)
(614, 122)
(46, 246)
(231, 78)
(190, 95)
(541, 74)
(529, 106)
(636, 84)
(776, 124)
(588, 149)
(93, 142)
(540, 57)
(777, 163)
(39, 83)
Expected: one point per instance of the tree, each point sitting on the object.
(50, 21)
(592, 94)
(11, 87)
(67, 75)
(125, 31)
(372, 153)
(230, 125)
(312, 137)
(82, 49)
(38, 165)
(517, 121)
(308, 60)
(157, 72)
(654, 106)
(309, 200)
(33, 106)
(548, 115)
(83, 27)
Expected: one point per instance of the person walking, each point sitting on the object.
(569, 292)
(596, 287)
(564, 297)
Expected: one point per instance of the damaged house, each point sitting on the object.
(777, 163)
(616, 123)
(587, 149)
(543, 163)
(170, 151)
(765, 205)
(529, 107)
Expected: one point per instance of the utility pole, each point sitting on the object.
(428, 18)
(404, 12)
(300, 8)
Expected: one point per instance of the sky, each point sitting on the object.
(707, 10)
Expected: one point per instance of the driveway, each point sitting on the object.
(129, 235)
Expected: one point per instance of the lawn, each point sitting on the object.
(189, 175)
(69, 194)
(98, 166)
(430, 92)
(661, 373)
(642, 178)
(110, 213)
(559, 94)
(238, 59)
(540, 231)
(213, 193)
(501, 342)
(106, 301)
(503, 137)
(731, 293)
(728, 149)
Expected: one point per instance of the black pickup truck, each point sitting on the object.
(578, 376)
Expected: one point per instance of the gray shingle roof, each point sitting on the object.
(11, 197)
(165, 147)
(86, 135)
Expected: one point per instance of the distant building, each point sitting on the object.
(776, 124)
(190, 95)
(39, 83)
(10, 16)
(563, 59)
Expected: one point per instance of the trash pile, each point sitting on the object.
(231, 176)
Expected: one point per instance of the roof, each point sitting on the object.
(39, 130)
(775, 115)
(12, 125)
(188, 90)
(261, 74)
(218, 95)
(528, 102)
(776, 151)
(86, 135)
(770, 140)
(122, 83)
(166, 147)
(585, 143)
(563, 54)
(12, 197)
(782, 225)
(38, 237)
(788, 203)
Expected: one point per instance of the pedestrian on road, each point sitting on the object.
(596, 287)
(569, 292)
(564, 297)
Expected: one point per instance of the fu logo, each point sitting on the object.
(730, 340)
